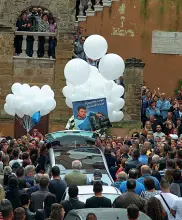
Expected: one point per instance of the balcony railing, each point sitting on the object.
(89, 7)
(35, 35)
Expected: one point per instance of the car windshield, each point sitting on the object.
(90, 157)
(112, 197)
(59, 134)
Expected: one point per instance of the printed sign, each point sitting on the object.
(91, 115)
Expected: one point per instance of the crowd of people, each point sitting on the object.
(145, 167)
(36, 21)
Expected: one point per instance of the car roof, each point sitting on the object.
(88, 189)
(104, 213)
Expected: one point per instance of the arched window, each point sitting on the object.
(35, 33)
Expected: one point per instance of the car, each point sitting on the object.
(103, 214)
(71, 136)
(91, 157)
(85, 192)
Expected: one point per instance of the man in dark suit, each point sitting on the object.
(178, 114)
(73, 202)
(134, 162)
(130, 197)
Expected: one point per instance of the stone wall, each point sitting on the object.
(133, 81)
(6, 64)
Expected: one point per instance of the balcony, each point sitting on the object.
(35, 41)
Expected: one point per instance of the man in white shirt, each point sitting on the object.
(176, 209)
(158, 132)
(167, 199)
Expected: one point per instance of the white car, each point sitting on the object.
(85, 192)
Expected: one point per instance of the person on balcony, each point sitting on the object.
(33, 27)
(78, 48)
(21, 25)
(52, 40)
(43, 27)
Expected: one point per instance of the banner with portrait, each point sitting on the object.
(91, 115)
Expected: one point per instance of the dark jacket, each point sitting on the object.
(13, 196)
(131, 164)
(72, 203)
(37, 199)
(41, 214)
(176, 115)
(110, 159)
(57, 187)
(29, 215)
(128, 198)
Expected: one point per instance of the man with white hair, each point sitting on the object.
(76, 177)
(29, 174)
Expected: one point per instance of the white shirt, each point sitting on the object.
(14, 161)
(170, 199)
(180, 114)
(177, 206)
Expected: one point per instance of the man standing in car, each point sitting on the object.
(98, 201)
(73, 202)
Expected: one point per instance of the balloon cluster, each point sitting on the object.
(85, 82)
(27, 100)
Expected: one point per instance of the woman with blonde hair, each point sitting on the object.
(148, 126)
(2, 193)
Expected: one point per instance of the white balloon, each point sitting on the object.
(16, 88)
(26, 91)
(9, 110)
(117, 91)
(108, 86)
(77, 71)
(119, 116)
(26, 108)
(111, 66)
(44, 112)
(35, 90)
(19, 113)
(37, 103)
(49, 104)
(112, 116)
(95, 47)
(69, 102)
(119, 104)
(68, 91)
(17, 102)
(10, 100)
(78, 97)
(48, 93)
(46, 87)
(110, 107)
(53, 106)
(96, 89)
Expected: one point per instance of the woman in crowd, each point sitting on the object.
(155, 209)
(52, 40)
(150, 189)
(2, 193)
(57, 212)
(169, 128)
(13, 194)
(43, 27)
